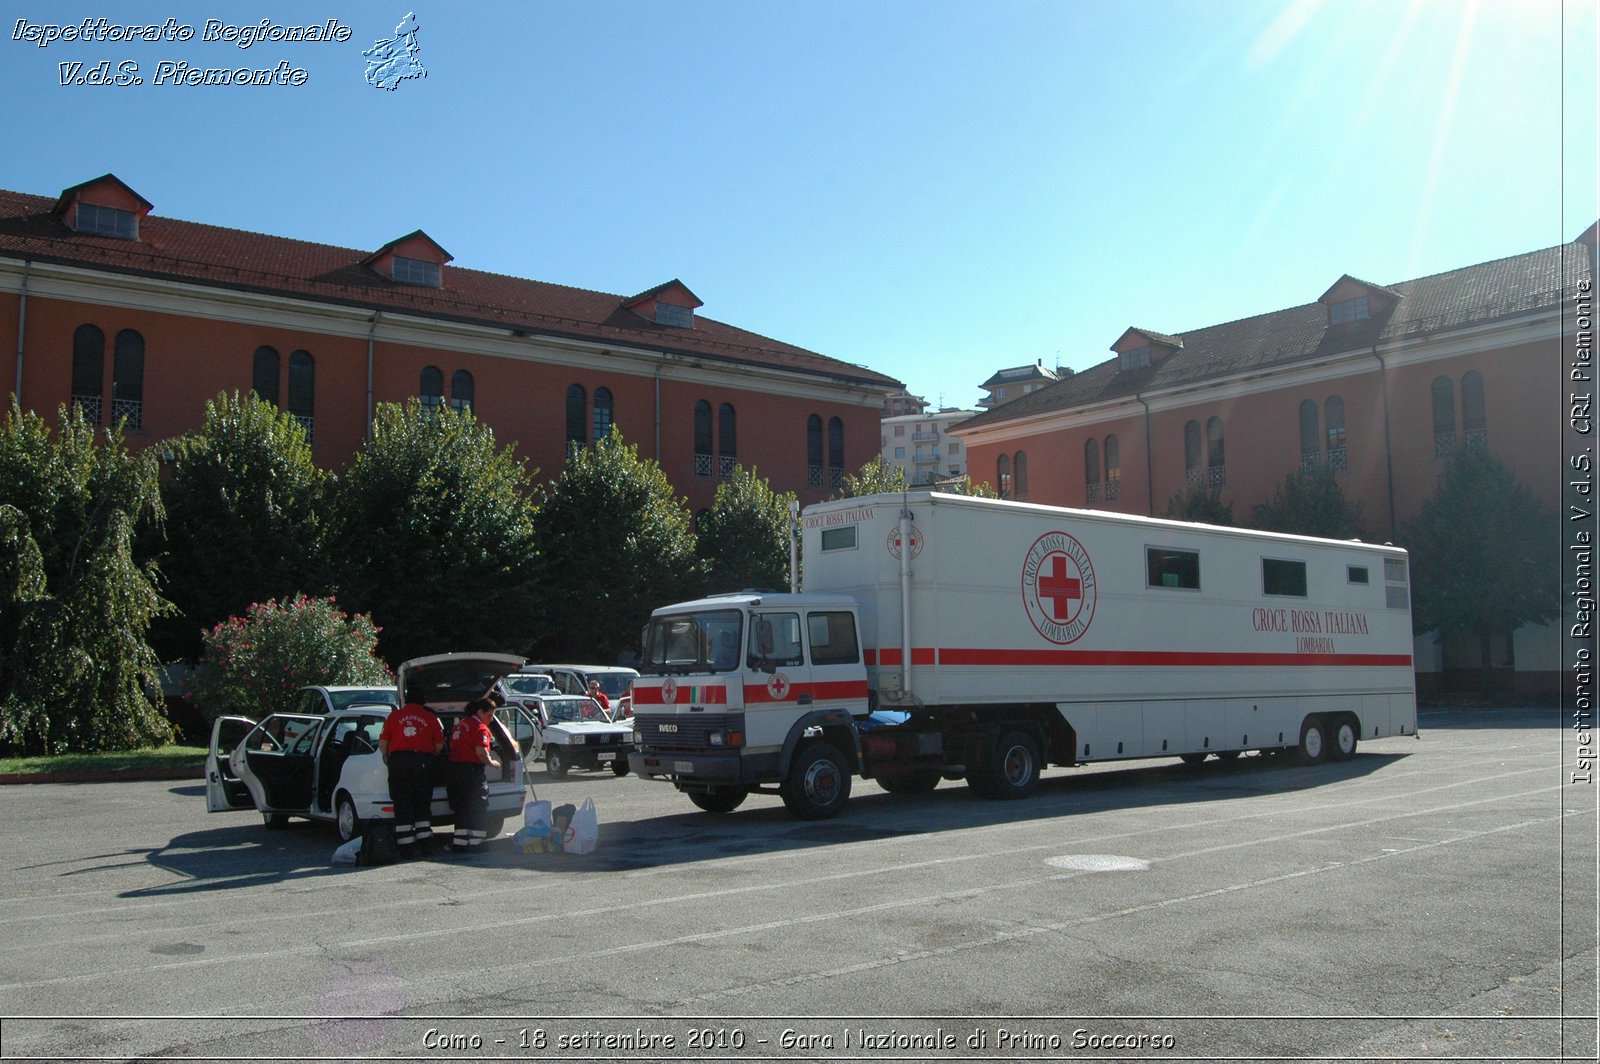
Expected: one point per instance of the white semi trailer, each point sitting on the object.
(949, 637)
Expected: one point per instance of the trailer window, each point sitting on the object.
(1282, 577)
(839, 538)
(1165, 567)
(1394, 570)
(833, 638)
(1357, 574)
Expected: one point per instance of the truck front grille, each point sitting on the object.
(685, 733)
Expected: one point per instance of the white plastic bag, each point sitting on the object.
(536, 812)
(583, 834)
(349, 853)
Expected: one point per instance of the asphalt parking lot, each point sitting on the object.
(1432, 898)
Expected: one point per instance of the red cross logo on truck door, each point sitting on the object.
(1058, 587)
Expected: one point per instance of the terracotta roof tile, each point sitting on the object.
(231, 258)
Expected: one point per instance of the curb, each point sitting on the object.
(196, 773)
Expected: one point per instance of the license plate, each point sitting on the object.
(606, 757)
(683, 766)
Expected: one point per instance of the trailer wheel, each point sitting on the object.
(1313, 741)
(725, 800)
(1342, 746)
(1014, 770)
(1192, 759)
(818, 784)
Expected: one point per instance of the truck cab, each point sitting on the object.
(743, 692)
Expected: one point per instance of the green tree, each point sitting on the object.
(76, 670)
(616, 544)
(1310, 503)
(434, 535)
(1482, 551)
(744, 538)
(965, 485)
(874, 478)
(254, 664)
(245, 519)
(1201, 504)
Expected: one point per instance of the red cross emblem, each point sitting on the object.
(1058, 587)
(669, 691)
(779, 687)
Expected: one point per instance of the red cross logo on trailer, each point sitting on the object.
(1058, 587)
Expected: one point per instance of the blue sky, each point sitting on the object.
(932, 189)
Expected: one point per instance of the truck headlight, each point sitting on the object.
(714, 739)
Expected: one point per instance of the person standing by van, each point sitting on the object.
(471, 754)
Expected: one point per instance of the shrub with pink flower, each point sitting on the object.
(252, 665)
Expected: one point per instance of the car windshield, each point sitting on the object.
(529, 684)
(565, 710)
(614, 684)
(367, 696)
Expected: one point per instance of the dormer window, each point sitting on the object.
(1137, 358)
(417, 272)
(1348, 310)
(107, 221)
(675, 316)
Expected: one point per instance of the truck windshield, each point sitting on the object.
(694, 642)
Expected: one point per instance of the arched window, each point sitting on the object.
(1474, 422)
(1444, 416)
(1091, 470)
(1191, 452)
(303, 389)
(461, 390)
(127, 379)
(431, 388)
(1338, 454)
(836, 452)
(1113, 469)
(602, 414)
(1310, 436)
(1002, 475)
(814, 450)
(1216, 458)
(264, 374)
(88, 370)
(1020, 475)
(727, 440)
(577, 418)
(702, 439)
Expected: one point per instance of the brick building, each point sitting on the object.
(1378, 382)
(141, 319)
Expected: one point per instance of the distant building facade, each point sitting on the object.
(921, 447)
(140, 319)
(1379, 383)
(1016, 382)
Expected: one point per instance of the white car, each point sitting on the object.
(576, 732)
(616, 681)
(327, 766)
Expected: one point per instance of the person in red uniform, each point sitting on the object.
(599, 695)
(411, 736)
(471, 753)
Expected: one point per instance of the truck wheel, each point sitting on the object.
(1342, 745)
(818, 784)
(1013, 772)
(1313, 741)
(619, 767)
(725, 800)
(916, 781)
(554, 762)
(275, 821)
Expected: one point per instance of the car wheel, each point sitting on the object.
(818, 784)
(345, 818)
(725, 800)
(1228, 755)
(555, 762)
(619, 767)
(275, 821)
(493, 826)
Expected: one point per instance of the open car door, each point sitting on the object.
(224, 790)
